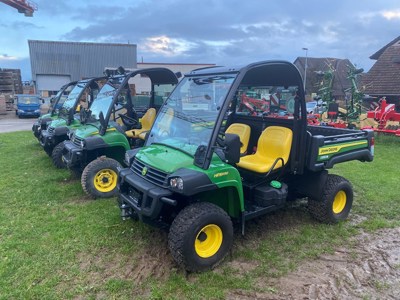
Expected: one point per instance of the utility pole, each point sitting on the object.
(305, 70)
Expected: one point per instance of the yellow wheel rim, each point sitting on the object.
(208, 241)
(339, 202)
(105, 180)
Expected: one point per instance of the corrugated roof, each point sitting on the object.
(79, 60)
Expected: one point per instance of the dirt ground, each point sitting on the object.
(370, 270)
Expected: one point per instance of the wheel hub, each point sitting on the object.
(339, 202)
(208, 241)
(105, 180)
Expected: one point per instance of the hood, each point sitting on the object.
(58, 123)
(164, 158)
(32, 106)
(84, 131)
(45, 116)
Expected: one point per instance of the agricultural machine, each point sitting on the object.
(336, 116)
(383, 114)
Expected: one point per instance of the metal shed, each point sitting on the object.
(56, 63)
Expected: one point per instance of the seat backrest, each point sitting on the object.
(243, 131)
(148, 119)
(274, 142)
(164, 125)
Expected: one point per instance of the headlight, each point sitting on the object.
(21, 111)
(37, 111)
(127, 159)
(130, 156)
(176, 183)
(83, 143)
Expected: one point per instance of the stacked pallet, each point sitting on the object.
(3, 109)
(6, 82)
(17, 81)
(10, 81)
(9, 102)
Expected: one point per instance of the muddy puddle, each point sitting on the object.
(368, 270)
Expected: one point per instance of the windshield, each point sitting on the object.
(104, 98)
(71, 99)
(28, 100)
(188, 116)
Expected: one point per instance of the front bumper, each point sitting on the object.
(36, 128)
(52, 137)
(145, 198)
(46, 139)
(28, 114)
(40, 125)
(72, 155)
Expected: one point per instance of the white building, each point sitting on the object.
(142, 85)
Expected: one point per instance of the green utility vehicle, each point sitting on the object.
(82, 94)
(112, 126)
(57, 103)
(209, 161)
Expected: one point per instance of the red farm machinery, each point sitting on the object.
(385, 115)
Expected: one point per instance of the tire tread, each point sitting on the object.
(182, 224)
(320, 208)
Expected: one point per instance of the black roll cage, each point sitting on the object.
(281, 73)
(156, 76)
(62, 89)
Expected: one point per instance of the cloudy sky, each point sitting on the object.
(208, 31)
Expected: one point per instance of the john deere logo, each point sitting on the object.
(144, 171)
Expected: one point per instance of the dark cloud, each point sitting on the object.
(226, 32)
(222, 31)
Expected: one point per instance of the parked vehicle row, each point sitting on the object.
(199, 162)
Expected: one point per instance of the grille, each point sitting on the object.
(51, 130)
(153, 175)
(76, 140)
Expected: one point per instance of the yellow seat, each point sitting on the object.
(146, 121)
(274, 142)
(243, 131)
(164, 126)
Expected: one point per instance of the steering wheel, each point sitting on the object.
(128, 121)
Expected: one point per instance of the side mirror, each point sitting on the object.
(103, 125)
(121, 70)
(200, 155)
(70, 116)
(178, 74)
(107, 73)
(232, 148)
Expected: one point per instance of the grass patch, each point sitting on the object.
(57, 243)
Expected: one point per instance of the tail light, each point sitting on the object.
(372, 145)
